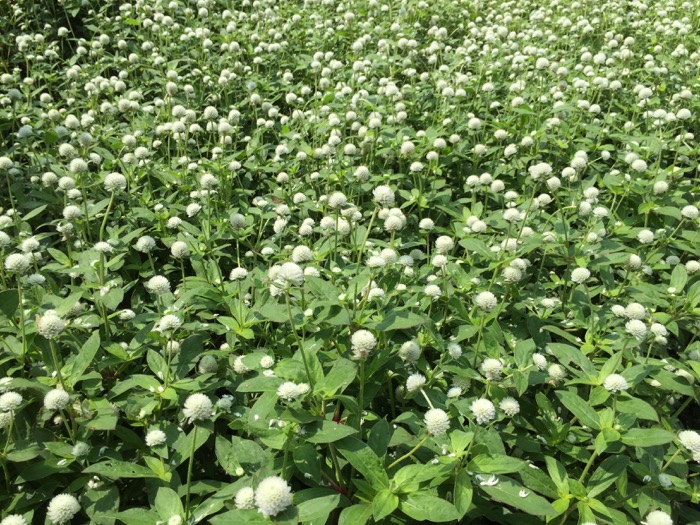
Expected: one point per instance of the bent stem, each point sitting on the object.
(189, 473)
(410, 453)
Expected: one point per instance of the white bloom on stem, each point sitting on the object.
(272, 496)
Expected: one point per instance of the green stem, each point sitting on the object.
(410, 453)
(296, 336)
(362, 396)
(56, 364)
(588, 466)
(189, 473)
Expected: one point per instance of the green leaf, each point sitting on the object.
(639, 408)
(679, 277)
(354, 515)
(168, 503)
(338, 378)
(316, 509)
(424, 507)
(379, 437)
(606, 474)
(100, 501)
(647, 437)
(567, 354)
(308, 462)
(59, 257)
(383, 504)
(115, 469)
(328, 432)
(495, 464)
(398, 320)
(105, 418)
(365, 461)
(512, 493)
(134, 516)
(579, 408)
(9, 301)
(463, 492)
(249, 516)
(183, 445)
(85, 357)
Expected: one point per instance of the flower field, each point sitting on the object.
(348, 262)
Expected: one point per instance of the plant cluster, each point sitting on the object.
(349, 261)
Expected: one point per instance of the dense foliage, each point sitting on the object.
(349, 262)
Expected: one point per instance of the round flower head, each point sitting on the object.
(483, 410)
(690, 212)
(556, 372)
(658, 517)
(510, 406)
(14, 519)
(56, 399)
(410, 351)
(486, 301)
(492, 368)
(145, 244)
(288, 391)
(444, 244)
(290, 274)
(197, 407)
(5, 419)
(155, 437)
(17, 263)
(10, 401)
(636, 329)
(115, 182)
(436, 422)
(62, 508)
(272, 496)
(238, 273)
(690, 440)
(635, 311)
(180, 250)
(168, 322)
(363, 342)
(158, 285)
(615, 383)
(384, 196)
(580, 275)
(415, 381)
(50, 325)
(245, 498)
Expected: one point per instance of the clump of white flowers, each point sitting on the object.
(437, 422)
(483, 410)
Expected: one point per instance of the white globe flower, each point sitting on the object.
(272, 496)
(363, 342)
(483, 410)
(636, 328)
(580, 275)
(486, 301)
(658, 517)
(62, 508)
(690, 439)
(197, 407)
(56, 399)
(14, 519)
(510, 406)
(437, 422)
(615, 383)
(155, 437)
(10, 401)
(245, 498)
(415, 382)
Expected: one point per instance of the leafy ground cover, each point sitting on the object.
(349, 262)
